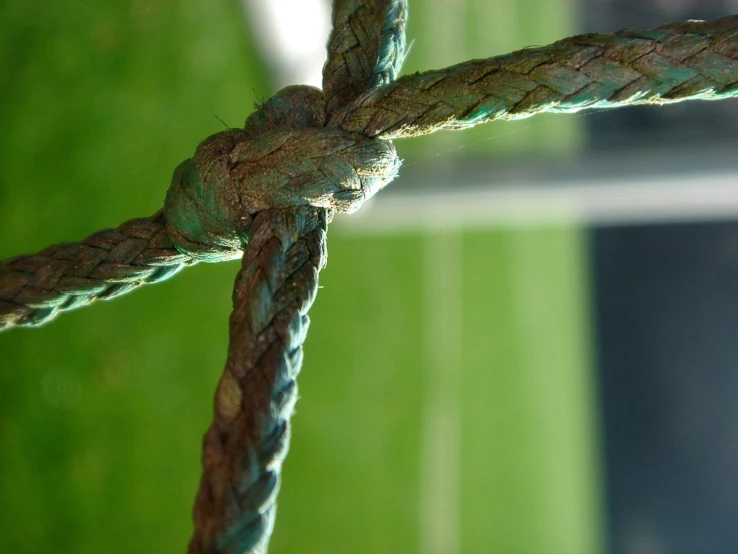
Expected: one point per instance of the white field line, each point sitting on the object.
(440, 448)
(608, 202)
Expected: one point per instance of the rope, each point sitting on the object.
(266, 192)
(247, 442)
(36, 288)
(235, 175)
(690, 60)
(365, 50)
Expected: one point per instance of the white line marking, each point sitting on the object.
(440, 455)
(609, 202)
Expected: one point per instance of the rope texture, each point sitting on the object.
(687, 60)
(235, 175)
(270, 189)
(365, 50)
(244, 448)
(36, 288)
(676, 62)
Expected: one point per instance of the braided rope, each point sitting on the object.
(35, 288)
(690, 60)
(271, 187)
(680, 61)
(365, 50)
(244, 448)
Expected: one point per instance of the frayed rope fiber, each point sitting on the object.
(266, 193)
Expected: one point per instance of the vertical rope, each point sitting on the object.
(248, 440)
(365, 50)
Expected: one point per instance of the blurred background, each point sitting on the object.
(526, 344)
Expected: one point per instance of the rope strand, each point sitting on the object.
(365, 50)
(689, 60)
(35, 288)
(272, 187)
(248, 440)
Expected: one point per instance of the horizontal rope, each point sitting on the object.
(689, 60)
(35, 288)
(248, 440)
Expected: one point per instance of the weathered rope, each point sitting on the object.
(36, 287)
(277, 161)
(689, 60)
(244, 448)
(365, 50)
(270, 188)
(680, 61)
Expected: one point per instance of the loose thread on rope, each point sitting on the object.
(267, 192)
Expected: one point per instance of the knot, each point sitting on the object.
(282, 158)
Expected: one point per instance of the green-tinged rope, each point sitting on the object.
(690, 60)
(365, 50)
(266, 192)
(275, 162)
(35, 288)
(244, 448)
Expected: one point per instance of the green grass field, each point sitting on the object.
(447, 395)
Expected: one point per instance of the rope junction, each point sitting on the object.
(267, 192)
